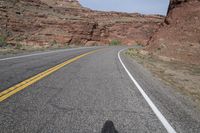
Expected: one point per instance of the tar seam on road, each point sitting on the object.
(16, 88)
(159, 115)
(49, 52)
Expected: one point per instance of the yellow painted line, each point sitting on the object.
(18, 87)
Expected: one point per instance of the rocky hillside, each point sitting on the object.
(46, 22)
(179, 37)
(63, 3)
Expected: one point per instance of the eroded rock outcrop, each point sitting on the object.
(179, 37)
(41, 22)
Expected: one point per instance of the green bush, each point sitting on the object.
(2, 41)
(115, 42)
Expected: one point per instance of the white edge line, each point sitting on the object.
(42, 53)
(162, 119)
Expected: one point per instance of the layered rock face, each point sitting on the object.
(44, 22)
(179, 37)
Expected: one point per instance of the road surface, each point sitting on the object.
(80, 96)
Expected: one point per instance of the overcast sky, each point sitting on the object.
(141, 6)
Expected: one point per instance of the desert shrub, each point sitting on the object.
(115, 42)
(53, 43)
(20, 38)
(2, 41)
(18, 46)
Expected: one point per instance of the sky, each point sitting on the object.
(140, 6)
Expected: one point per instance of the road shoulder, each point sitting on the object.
(171, 102)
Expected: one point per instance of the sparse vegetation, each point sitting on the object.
(17, 47)
(115, 42)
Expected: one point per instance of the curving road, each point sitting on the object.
(81, 95)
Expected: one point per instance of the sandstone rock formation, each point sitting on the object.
(179, 37)
(46, 22)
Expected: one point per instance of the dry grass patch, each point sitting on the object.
(185, 78)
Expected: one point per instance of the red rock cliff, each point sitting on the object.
(179, 37)
(41, 22)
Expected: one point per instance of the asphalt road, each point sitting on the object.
(81, 96)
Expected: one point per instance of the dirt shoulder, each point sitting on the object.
(183, 77)
(19, 49)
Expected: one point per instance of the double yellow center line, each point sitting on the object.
(20, 86)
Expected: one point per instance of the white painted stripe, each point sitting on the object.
(43, 53)
(162, 119)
